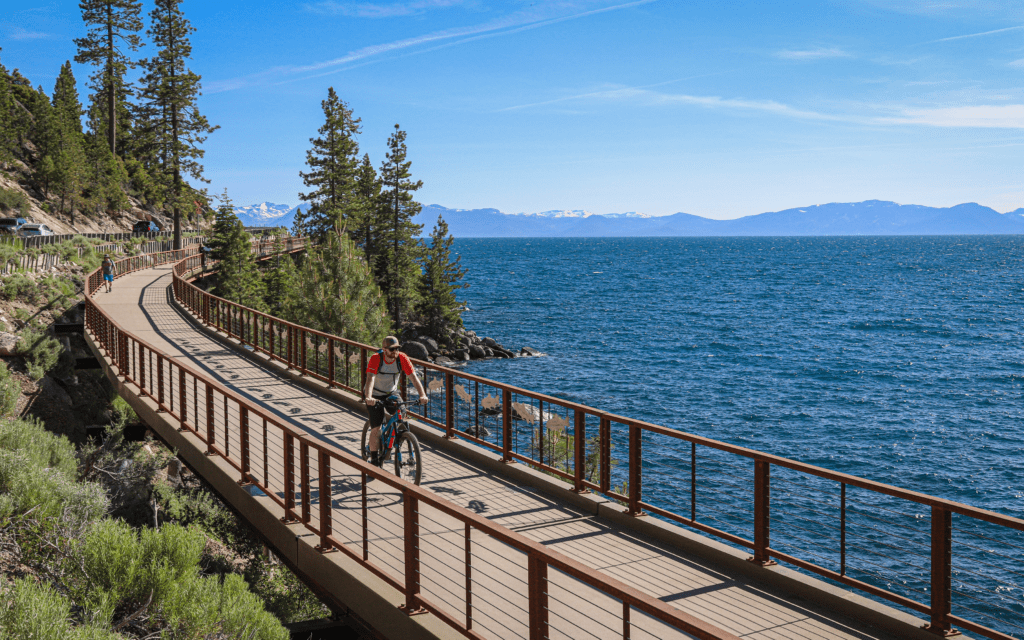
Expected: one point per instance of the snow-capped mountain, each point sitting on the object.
(267, 214)
(558, 213)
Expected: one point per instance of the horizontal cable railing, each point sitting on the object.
(891, 543)
(436, 554)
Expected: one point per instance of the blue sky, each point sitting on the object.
(719, 109)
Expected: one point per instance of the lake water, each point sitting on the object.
(897, 359)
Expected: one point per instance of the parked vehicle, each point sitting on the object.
(11, 225)
(32, 229)
(145, 226)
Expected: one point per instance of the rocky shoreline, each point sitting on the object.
(458, 347)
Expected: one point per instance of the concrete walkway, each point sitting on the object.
(140, 302)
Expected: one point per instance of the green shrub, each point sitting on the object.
(36, 611)
(18, 286)
(49, 493)
(41, 351)
(13, 200)
(42, 448)
(10, 391)
(128, 568)
(22, 314)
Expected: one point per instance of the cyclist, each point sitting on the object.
(108, 271)
(382, 374)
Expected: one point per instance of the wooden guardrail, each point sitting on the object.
(287, 465)
(952, 562)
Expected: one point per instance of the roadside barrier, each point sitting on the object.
(953, 563)
(541, 590)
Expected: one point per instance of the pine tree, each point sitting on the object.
(281, 282)
(223, 227)
(114, 26)
(339, 294)
(364, 227)
(176, 129)
(238, 278)
(8, 126)
(332, 175)
(395, 258)
(106, 177)
(63, 142)
(442, 277)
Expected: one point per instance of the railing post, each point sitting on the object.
(580, 454)
(324, 472)
(762, 513)
(304, 479)
(362, 370)
(243, 441)
(288, 354)
(537, 585)
(159, 383)
(182, 401)
(605, 436)
(206, 310)
(942, 560)
(141, 361)
(636, 458)
(412, 556)
(289, 479)
(506, 425)
(330, 363)
(302, 337)
(449, 406)
(211, 432)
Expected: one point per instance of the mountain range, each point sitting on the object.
(872, 217)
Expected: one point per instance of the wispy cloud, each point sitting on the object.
(1019, 64)
(975, 35)
(1010, 116)
(812, 54)
(17, 33)
(531, 18)
(378, 10)
(645, 96)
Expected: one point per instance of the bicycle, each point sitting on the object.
(397, 442)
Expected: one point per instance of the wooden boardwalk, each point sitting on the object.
(141, 304)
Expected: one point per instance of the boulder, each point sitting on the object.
(415, 350)
(476, 352)
(429, 343)
(502, 353)
(471, 334)
(489, 342)
(529, 351)
(489, 351)
(477, 431)
(465, 341)
(462, 354)
(444, 361)
(8, 344)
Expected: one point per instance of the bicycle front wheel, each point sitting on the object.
(408, 463)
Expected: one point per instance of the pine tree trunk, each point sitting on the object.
(111, 97)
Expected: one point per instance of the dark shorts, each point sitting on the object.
(376, 413)
(108, 277)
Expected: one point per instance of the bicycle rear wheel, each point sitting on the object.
(408, 464)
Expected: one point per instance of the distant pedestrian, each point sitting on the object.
(108, 272)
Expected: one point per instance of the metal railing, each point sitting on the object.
(891, 543)
(442, 556)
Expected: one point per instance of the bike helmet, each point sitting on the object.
(391, 403)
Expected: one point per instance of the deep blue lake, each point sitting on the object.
(897, 359)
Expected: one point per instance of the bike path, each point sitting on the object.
(141, 304)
